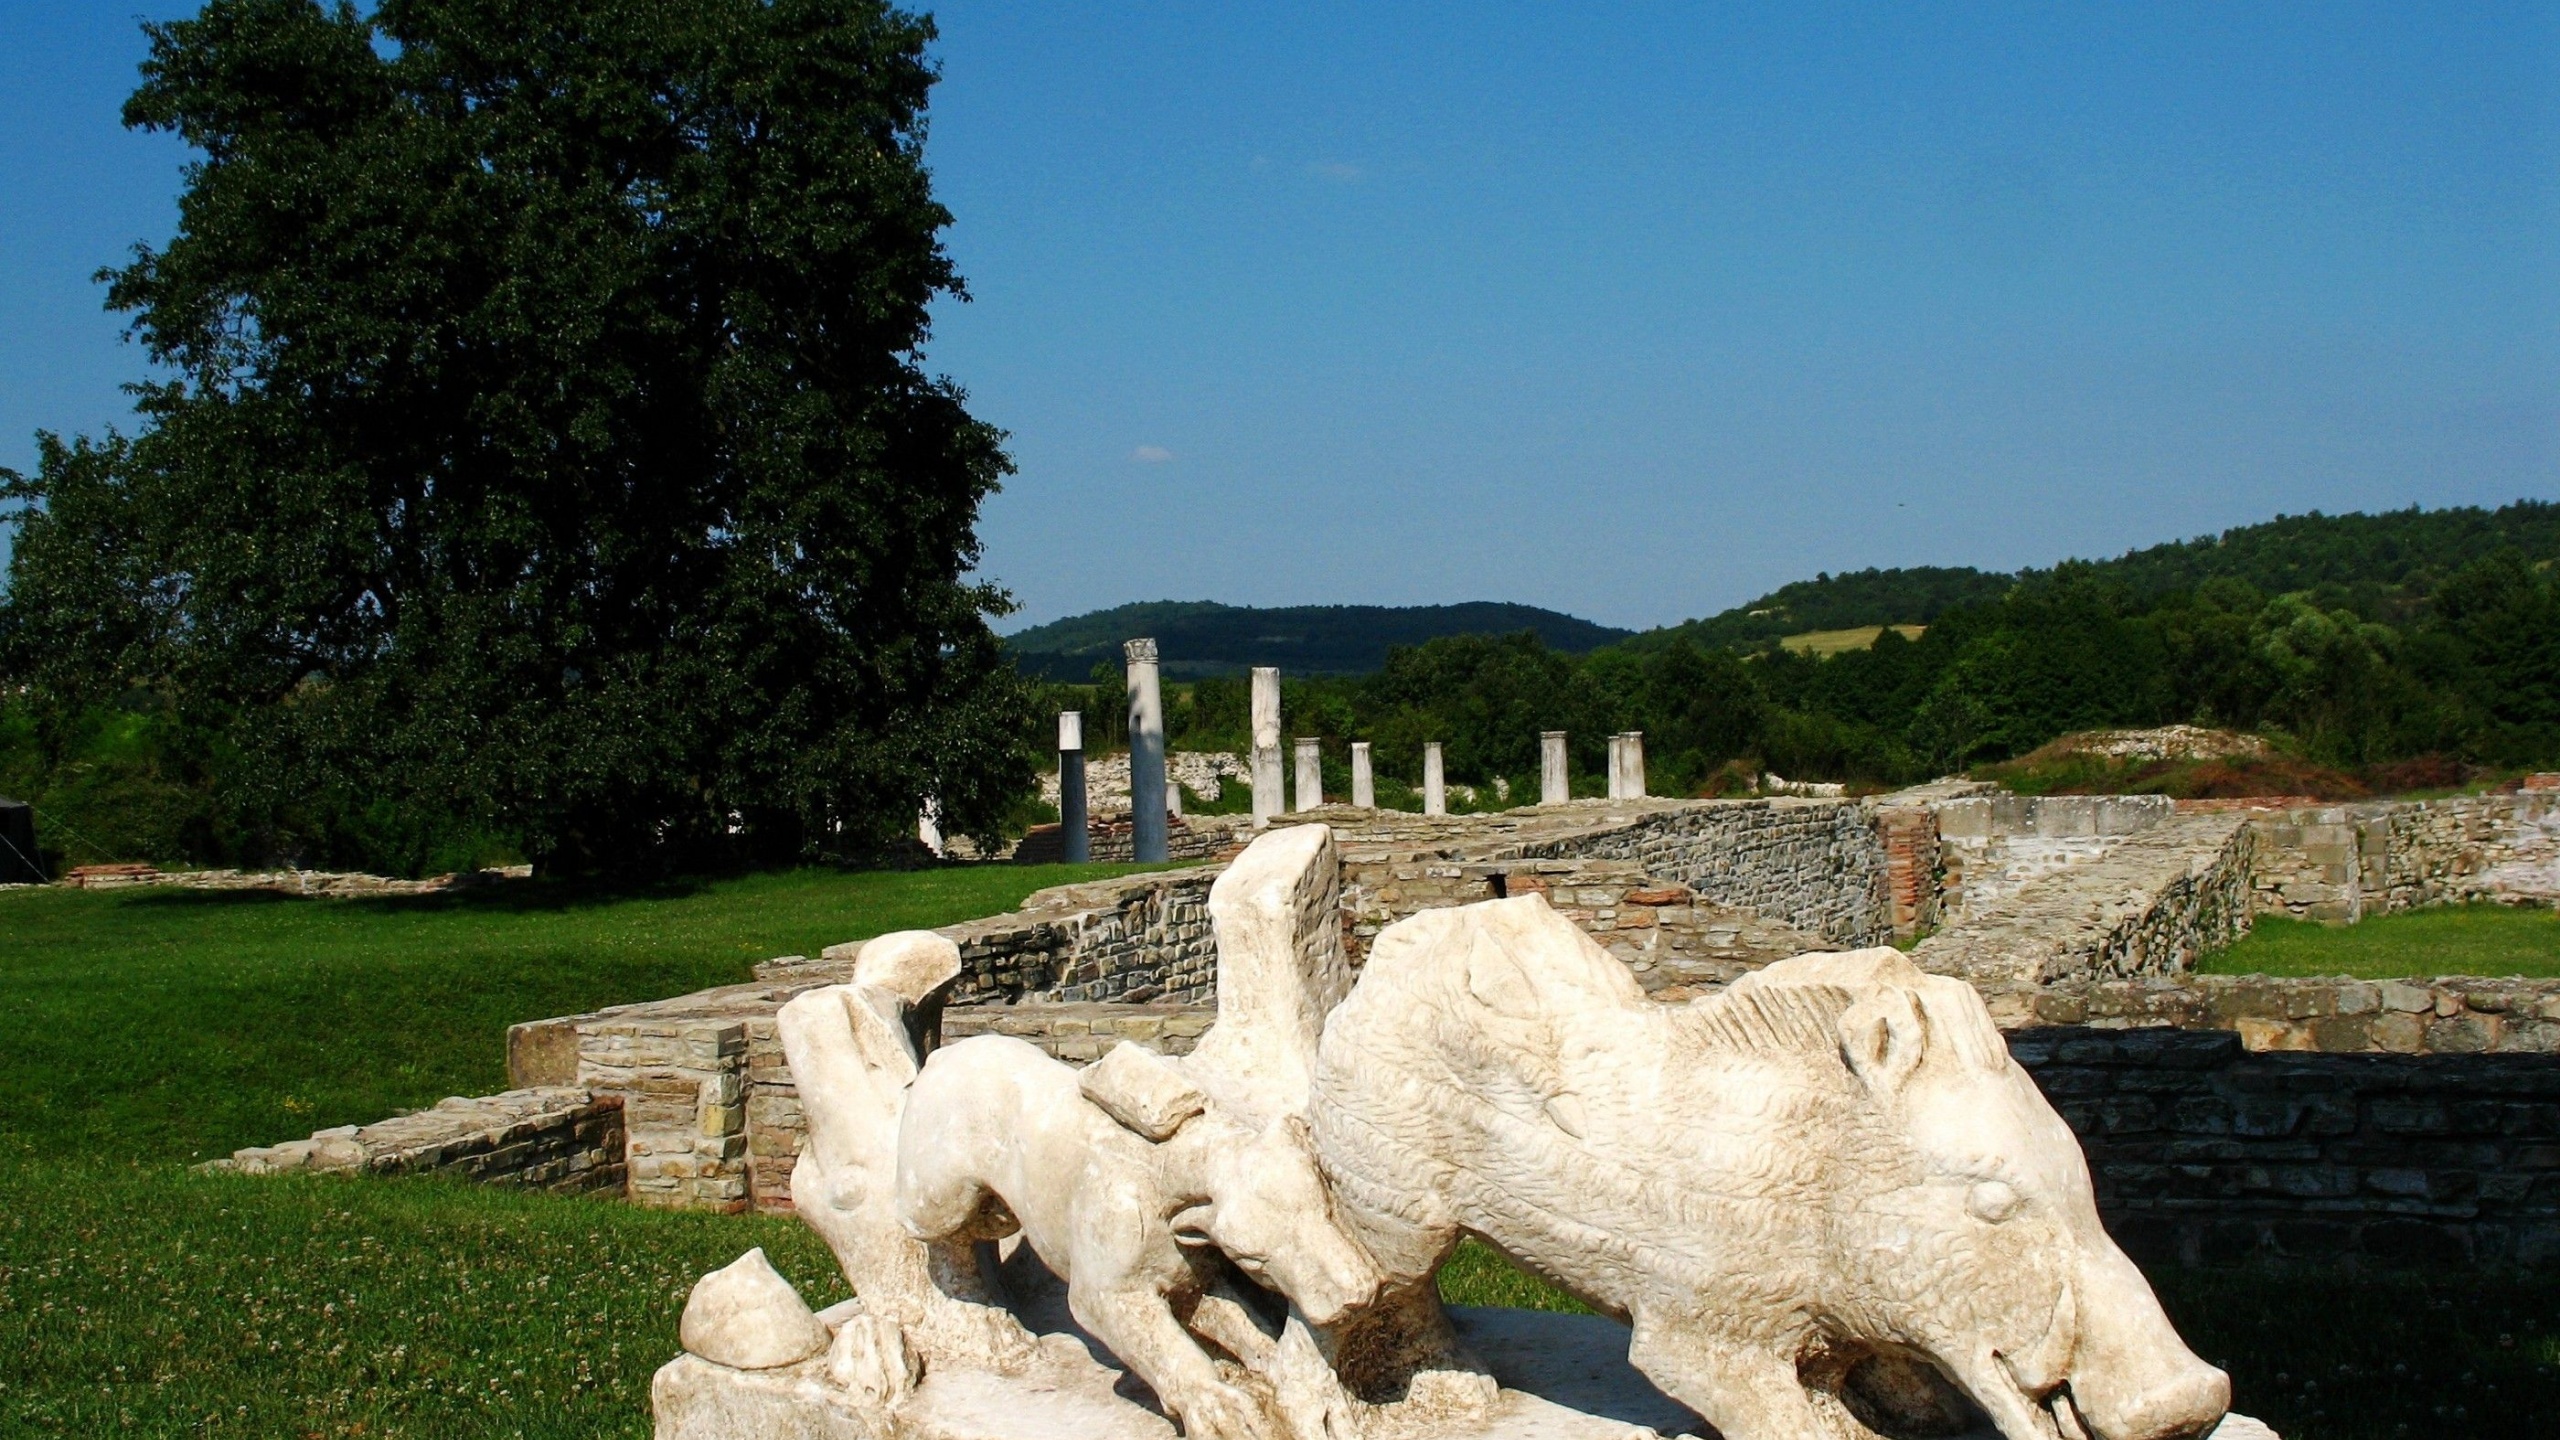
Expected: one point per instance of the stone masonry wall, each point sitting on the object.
(2150, 906)
(2341, 862)
(1993, 846)
(1672, 940)
(554, 1138)
(2204, 1153)
(1816, 865)
(2447, 1015)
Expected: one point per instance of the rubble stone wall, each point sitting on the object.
(2444, 1015)
(1672, 939)
(1815, 865)
(2205, 1153)
(2152, 904)
(1993, 846)
(551, 1138)
(2342, 862)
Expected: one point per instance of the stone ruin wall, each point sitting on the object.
(1816, 865)
(2101, 943)
(2206, 1153)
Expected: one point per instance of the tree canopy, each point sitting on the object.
(542, 446)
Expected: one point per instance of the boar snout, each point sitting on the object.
(2133, 1378)
(2184, 1403)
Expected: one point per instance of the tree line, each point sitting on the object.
(2383, 662)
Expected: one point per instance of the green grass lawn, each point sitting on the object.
(148, 1028)
(2447, 940)
(180, 1024)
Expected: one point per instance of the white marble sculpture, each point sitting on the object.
(1822, 1205)
(1133, 1205)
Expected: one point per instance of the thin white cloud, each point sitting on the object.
(1337, 171)
(1151, 454)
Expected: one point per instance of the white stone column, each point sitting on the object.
(1617, 766)
(1631, 755)
(1435, 784)
(1364, 786)
(1310, 773)
(1268, 799)
(1555, 783)
(929, 824)
(1146, 753)
(1075, 834)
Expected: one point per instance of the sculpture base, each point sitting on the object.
(1564, 1377)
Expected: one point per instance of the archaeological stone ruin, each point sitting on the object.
(1182, 1026)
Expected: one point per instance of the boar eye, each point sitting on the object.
(1991, 1201)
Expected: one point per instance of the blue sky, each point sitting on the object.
(1635, 311)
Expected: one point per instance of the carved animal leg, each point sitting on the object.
(1747, 1392)
(1140, 1329)
(1311, 1399)
(933, 1291)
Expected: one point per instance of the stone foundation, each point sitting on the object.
(2206, 1153)
(2151, 905)
(555, 1139)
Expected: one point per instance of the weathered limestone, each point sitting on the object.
(1837, 1135)
(1267, 798)
(1075, 836)
(1555, 781)
(1435, 782)
(1364, 791)
(1310, 773)
(2149, 905)
(558, 1138)
(1626, 765)
(1146, 752)
(747, 1317)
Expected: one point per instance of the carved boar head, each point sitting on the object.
(1987, 1257)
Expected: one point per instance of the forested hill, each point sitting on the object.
(1200, 638)
(2374, 564)
(2409, 551)
(1839, 602)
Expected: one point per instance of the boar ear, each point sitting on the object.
(1882, 1037)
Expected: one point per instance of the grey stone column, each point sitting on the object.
(1617, 766)
(1310, 773)
(1631, 756)
(1364, 786)
(1075, 829)
(1269, 798)
(1435, 784)
(1146, 753)
(1555, 782)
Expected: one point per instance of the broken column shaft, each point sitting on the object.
(1310, 774)
(1075, 833)
(1555, 783)
(1435, 784)
(1268, 799)
(1146, 753)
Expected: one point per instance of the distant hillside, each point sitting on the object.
(2408, 549)
(2374, 560)
(1841, 602)
(1199, 637)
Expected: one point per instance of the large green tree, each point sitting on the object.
(542, 440)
